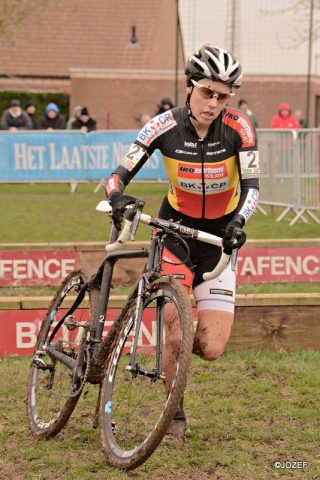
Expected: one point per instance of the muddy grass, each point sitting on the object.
(245, 412)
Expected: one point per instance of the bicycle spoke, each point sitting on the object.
(53, 391)
(141, 399)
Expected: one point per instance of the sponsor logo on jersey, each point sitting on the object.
(212, 172)
(250, 203)
(220, 291)
(156, 127)
(217, 152)
(242, 125)
(190, 144)
(198, 187)
(185, 152)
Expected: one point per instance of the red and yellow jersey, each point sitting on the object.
(213, 187)
(206, 175)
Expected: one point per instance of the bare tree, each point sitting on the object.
(300, 10)
(13, 12)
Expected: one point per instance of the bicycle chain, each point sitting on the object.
(85, 347)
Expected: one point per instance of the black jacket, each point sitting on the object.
(91, 124)
(57, 123)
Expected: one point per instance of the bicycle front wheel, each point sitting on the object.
(58, 364)
(139, 400)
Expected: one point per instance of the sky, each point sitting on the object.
(264, 36)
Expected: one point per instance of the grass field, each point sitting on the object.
(49, 213)
(245, 412)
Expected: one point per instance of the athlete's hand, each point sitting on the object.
(234, 236)
(119, 202)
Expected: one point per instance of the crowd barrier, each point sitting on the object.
(290, 171)
(290, 162)
(68, 156)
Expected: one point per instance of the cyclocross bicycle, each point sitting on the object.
(133, 408)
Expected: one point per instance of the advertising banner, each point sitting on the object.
(254, 265)
(69, 156)
(19, 330)
(36, 267)
(278, 264)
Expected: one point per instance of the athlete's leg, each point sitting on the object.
(212, 333)
(178, 427)
(215, 302)
(172, 265)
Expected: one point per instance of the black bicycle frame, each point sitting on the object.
(105, 287)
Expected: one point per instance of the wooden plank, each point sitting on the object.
(10, 303)
(250, 300)
(284, 328)
(88, 246)
(268, 299)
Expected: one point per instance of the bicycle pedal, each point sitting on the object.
(71, 323)
(41, 364)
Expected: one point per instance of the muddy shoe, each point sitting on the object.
(176, 432)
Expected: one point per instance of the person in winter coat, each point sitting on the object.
(76, 115)
(52, 119)
(31, 110)
(85, 123)
(165, 104)
(284, 119)
(14, 118)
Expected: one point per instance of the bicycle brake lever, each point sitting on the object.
(134, 215)
(233, 259)
(134, 225)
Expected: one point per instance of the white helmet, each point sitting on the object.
(215, 63)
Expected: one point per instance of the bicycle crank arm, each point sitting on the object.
(62, 357)
(136, 370)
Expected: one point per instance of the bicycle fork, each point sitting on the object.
(133, 366)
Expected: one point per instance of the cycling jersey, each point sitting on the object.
(209, 178)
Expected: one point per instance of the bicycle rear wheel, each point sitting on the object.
(135, 409)
(54, 388)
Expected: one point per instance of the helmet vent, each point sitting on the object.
(226, 60)
(213, 65)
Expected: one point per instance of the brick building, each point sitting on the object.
(119, 59)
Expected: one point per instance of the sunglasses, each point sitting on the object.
(209, 94)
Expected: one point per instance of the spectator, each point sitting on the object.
(165, 104)
(31, 110)
(52, 119)
(14, 118)
(244, 106)
(76, 114)
(284, 119)
(301, 120)
(85, 123)
(143, 118)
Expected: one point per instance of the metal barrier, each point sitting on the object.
(290, 163)
(290, 171)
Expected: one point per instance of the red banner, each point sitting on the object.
(19, 330)
(278, 264)
(47, 267)
(255, 265)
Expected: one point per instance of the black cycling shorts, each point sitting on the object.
(203, 256)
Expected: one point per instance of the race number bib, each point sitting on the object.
(133, 156)
(249, 163)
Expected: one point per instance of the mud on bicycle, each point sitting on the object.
(133, 408)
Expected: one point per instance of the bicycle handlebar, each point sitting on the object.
(131, 224)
